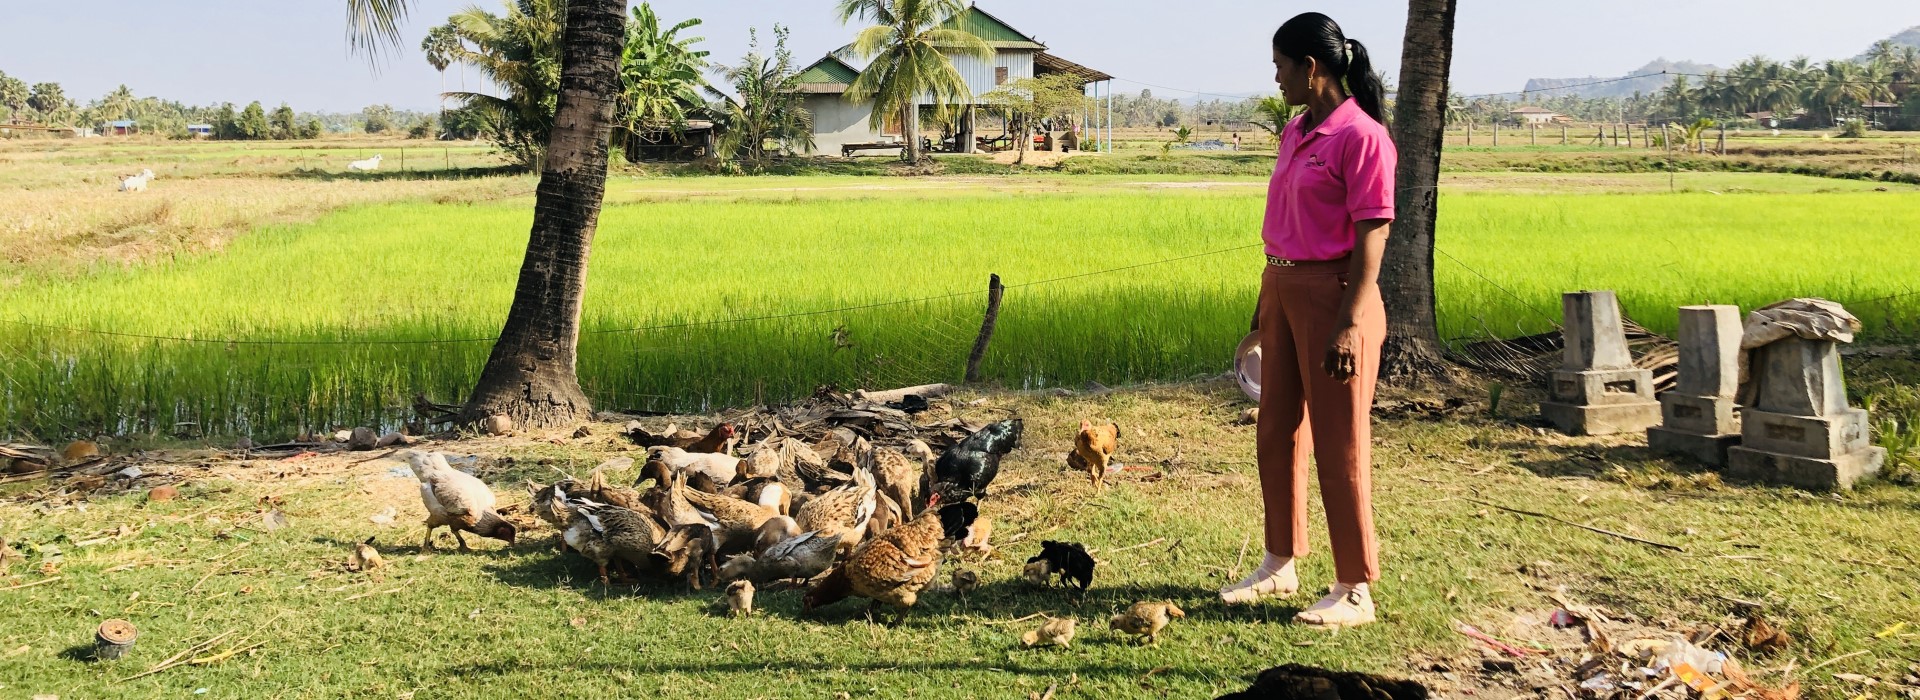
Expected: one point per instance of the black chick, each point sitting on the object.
(955, 518)
(1068, 559)
(1297, 682)
(962, 473)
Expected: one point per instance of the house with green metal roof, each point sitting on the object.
(840, 123)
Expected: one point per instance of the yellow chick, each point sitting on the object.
(1145, 620)
(740, 598)
(964, 581)
(1057, 632)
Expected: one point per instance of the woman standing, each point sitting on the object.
(1320, 317)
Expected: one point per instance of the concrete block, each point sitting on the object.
(1799, 377)
(1709, 351)
(1603, 386)
(1838, 474)
(1710, 450)
(1595, 337)
(1817, 437)
(1603, 419)
(1700, 415)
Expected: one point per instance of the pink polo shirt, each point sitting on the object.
(1325, 180)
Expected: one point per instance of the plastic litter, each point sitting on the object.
(129, 473)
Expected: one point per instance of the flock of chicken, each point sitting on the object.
(840, 516)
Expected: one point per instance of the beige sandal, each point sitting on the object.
(1347, 606)
(1249, 590)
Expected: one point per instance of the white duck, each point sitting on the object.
(457, 500)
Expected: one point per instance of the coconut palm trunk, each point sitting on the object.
(529, 376)
(1412, 351)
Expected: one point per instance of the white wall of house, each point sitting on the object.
(837, 122)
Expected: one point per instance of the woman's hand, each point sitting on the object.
(1343, 353)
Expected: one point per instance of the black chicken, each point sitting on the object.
(1297, 682)
(1068, 559)
(964, 471)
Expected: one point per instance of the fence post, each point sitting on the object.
(1723, 138)
(1629, 134)
(403, 159)
(1563, 134)
(994, 290)
(1469, 133)
(1533, 134)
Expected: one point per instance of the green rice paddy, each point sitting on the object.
(334, 318)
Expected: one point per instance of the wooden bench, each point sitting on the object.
(847, 150)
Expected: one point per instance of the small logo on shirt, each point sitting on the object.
(1313, 161)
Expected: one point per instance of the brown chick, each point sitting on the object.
(1145, 620)
(964, 581)
(740, 598)
(365, 557)
(1093, 449)
(1057, 632)
(978, 536)
(1038, 573)
(895, 567)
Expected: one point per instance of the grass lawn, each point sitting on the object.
(1835, 570)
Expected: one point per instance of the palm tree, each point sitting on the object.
(1275, 113)
(1412, 350)
(660, 74)
(520, 53)
(768, 110)
(907, 51)
(530, 375)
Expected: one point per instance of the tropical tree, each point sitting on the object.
(119, 104)
(530, 375)
(520, 52)
(226, 124)
(1027, 101)
(661, 74)
(47, 99)
(907, 51)
(766, 116)
(282, 121)
(13, 93)
(377, 119)
(1412, 350)
(1274, 114)
(253, 122)
(312, 129)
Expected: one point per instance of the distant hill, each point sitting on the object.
(1649, 81)
(1910, 37)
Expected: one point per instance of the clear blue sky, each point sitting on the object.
(294, 51)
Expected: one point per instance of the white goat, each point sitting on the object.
(136, 183)
(368, 164)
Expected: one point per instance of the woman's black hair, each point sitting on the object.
(1311, 34)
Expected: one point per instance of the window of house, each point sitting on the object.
(1000, 75)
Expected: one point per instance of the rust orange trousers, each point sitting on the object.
(1306, 413)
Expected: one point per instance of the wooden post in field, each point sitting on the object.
(1629, 134)
(1469, 132)
(1723, 138)
(1601, 139)
(1563, 134)
(994, 291)
(1533, 134)
(1496, 133)
(403, 159)
(449, 154)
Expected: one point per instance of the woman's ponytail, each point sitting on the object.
(1317, 36)
(1363, 84)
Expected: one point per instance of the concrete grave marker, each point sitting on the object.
(1698, 418)
(1597, 390)
(1799, 431)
